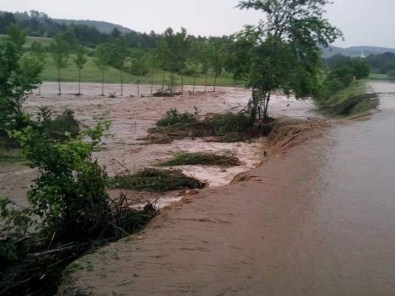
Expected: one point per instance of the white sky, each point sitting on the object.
(363, 22)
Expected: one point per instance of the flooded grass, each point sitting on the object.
(226, 127)
(201, 158)
(156, 180)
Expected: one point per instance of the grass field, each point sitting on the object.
(91, 73)
(375, 76)
(30, 39)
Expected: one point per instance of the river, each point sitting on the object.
(353, 227)
(319, 220)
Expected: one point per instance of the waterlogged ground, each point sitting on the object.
(130, 118)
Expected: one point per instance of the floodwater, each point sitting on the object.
(319, 220)
(353, 243)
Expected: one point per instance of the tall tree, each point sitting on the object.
(173, 50)
(80, 60)
(216, 59)
(102, 61)
(118, 54)
(60, 50)
(283, 51)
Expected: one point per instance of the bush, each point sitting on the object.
(60, 127)
(233, 127)
(69, 210)
(173, 117)
(69, 196)
(155, 180)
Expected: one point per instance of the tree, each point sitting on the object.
(283, 51)
(6, 19)
(173, 50)
(19, 74)
(137, 64)
(117, 55)
(216, 58)
(102, 61)
(60, 49)
(80, 60)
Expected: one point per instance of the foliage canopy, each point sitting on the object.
(282, 52)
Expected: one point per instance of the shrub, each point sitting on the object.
(69, 196)
(173, 117)
(232, 127)
(61, 126)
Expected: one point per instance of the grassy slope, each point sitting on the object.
(356, 99)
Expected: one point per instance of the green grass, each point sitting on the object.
(200, 158)
(30, 39)
(155, 180)
(11, 156)
(376, 76)
(353, 100)
(90, 73)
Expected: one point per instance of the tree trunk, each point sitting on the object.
(79, 81)
(102, 82)
(205, 82)
(182, 84)
(163, 81)
(194, 84)
(138, 86)
(121, 78)
(152, 80)
(59, 87)
(215, 82)
(254, 107)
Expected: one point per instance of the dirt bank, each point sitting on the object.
(232, 240)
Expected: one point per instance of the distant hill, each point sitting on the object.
(103, 27)
(355, 51)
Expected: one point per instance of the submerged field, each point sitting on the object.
(131, 117)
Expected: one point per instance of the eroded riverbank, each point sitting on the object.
(315, 221)
(236, 240)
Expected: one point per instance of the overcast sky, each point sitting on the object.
(363, 22)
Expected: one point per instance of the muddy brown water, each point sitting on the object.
(318, 220)
(131, 117)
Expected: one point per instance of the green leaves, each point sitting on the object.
(282, 52)
(173, 50)
(19, 74)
